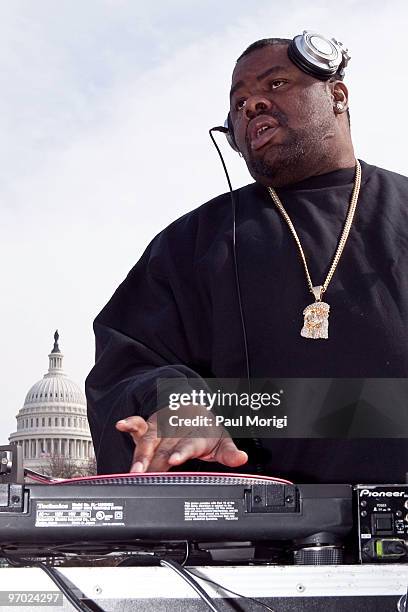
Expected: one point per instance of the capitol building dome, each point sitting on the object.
(52, 425)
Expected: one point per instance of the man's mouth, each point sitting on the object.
(261, 131)
(262, 137)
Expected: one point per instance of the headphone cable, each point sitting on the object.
(256, 441)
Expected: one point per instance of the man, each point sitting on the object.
(182, 310)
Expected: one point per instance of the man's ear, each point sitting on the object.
(340, 97)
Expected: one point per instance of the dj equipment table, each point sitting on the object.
(351, 588)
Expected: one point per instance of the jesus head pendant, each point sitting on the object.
(316, 323)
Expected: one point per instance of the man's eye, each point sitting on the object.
(240, 104)
(276, 83)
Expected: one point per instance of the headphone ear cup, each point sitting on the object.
(318, 56)
(229, 134)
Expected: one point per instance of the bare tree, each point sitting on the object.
(89, 469)
(59, 466)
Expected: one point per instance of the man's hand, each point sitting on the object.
(153, 454)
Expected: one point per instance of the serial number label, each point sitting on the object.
(30, 598)
(85, 513)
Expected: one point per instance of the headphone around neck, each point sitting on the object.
(313, 54)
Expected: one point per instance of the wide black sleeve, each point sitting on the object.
(148, 330)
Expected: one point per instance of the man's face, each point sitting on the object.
(283, 119)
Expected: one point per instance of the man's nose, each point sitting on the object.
(256, 105)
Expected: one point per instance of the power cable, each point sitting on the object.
(183, 573)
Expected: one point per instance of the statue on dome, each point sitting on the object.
(56, 338)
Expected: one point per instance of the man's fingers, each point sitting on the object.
(228, 454)
(206, 449)
(143, 454)
(144, 434)
(136, 426)
(158, 455)
(162, 454)
(174, 451)
(188, 448)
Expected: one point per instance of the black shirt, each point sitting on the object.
(177, 314)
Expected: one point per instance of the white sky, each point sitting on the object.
(104, 114)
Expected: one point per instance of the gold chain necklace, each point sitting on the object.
(316, 315)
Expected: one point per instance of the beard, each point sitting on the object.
(292, 160)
